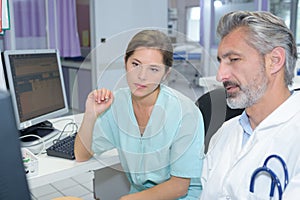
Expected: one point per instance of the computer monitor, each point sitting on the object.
(35, 81)
(13, 181)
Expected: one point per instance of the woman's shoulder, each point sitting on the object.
(175, 97)
(171, 92)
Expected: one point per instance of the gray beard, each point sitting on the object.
(248, 95)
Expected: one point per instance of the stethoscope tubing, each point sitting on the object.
(275, 179)
(284, 166)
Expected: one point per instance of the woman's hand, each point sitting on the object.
(174, 188)
(98, 101)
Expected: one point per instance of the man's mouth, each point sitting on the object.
(230, 86)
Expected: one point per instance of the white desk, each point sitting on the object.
(53, 169)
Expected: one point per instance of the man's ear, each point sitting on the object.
(278, 57)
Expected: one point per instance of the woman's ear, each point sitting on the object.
(278, 57)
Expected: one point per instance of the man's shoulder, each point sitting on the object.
(227, 131)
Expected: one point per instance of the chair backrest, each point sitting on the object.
(215, 112)
(110, 183)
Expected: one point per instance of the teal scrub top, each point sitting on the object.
(172, 143)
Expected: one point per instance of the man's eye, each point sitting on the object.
(234, 59)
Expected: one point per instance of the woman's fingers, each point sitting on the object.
(102, 95)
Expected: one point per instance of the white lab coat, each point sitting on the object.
(228, 166)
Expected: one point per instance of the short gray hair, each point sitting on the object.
(265, 32)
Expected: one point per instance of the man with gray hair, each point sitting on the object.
(246, 157)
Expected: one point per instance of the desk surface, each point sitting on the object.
(51, 169)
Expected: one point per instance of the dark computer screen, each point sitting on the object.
(36, 83)
(13, 182)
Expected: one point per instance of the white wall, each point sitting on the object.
(116, 22)
(181, 6)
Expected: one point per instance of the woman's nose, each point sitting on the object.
(142, 73)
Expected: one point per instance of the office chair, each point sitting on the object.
(215, 112)
(110, 183)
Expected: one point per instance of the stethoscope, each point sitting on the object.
(275, 179)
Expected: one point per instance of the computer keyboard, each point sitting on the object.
(63, 148)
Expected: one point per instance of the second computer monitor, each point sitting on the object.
(35, 81)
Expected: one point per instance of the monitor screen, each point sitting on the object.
(36, 84)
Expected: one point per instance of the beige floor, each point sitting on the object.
(79, 186)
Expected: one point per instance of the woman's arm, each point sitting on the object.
(97, 102)
(83, 140)
(174, 188)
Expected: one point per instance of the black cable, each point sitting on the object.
(73, 130)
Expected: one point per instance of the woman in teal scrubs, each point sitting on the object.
(157, 131)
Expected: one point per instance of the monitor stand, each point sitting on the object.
(30, 137)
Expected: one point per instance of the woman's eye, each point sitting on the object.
(154, 69)
(135, 64)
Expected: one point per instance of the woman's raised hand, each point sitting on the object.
(98, 101)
